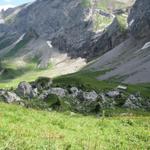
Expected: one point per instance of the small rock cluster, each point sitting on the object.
(73, 98)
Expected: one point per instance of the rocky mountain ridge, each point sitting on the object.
(129, 61)
(68, 24)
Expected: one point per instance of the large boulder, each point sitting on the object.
(106, 102)
(24, 89)
(133, 102)
(58, 91)
(9, 97)
(85, 102)
(90, 96)
(74, 91)
(53, 96)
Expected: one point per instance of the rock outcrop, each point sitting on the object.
(73, 98)
(129, 61)
(24, 89)
(69, 24)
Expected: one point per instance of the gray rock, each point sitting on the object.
(85, 102)
(2, 92)
(24, 89)
(106, 102)
(44, 94)
(133, 102)
(10, 97)
(58, 91)
(90, 96)
(74, 91)
(130, 104)
(34, 92)
(113, 94)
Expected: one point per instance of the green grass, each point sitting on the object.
(28, 129)
(16, 70)
(143, 88)
(109, 5)
(100, 22)
(87, 80)
(122, 20)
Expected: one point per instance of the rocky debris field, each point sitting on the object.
(42, 94)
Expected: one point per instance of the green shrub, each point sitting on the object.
(52, 100)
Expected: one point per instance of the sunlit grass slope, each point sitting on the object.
(17, 70)
(87, 80)
(27, 129)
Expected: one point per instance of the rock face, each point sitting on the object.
(69, 24)
(101, 42)
(129, 61)
(50, 17)
(139, 19)
(66, 23)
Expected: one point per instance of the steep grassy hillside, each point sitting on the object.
(27, 129)
(88, 80)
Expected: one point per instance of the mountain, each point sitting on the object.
(129, 62)
(63, 34)
(113, 34)
(69, 25)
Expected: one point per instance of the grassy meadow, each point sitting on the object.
(28, 129)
